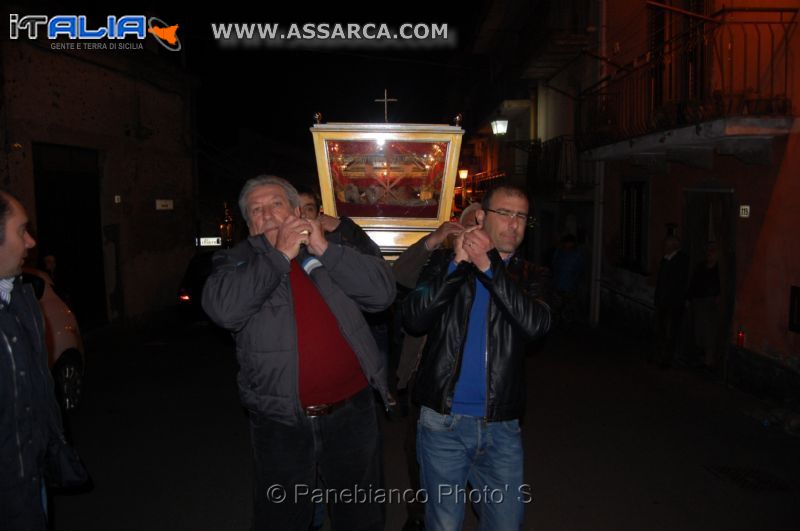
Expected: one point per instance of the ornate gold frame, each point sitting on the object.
(392, 234)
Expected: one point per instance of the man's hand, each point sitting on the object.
(317, 244)
(460, 248)
(476, 244)
(291, 233)
(437, 237)
(328, 223)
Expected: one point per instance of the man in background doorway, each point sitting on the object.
(670, 300)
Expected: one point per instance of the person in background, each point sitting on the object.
(670, 300)
(705, 303)
(49, 265)
(568, 266)
(342, 230)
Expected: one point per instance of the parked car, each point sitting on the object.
(62, 338)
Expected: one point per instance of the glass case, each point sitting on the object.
(395, 180)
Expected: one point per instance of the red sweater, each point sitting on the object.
(329, 369)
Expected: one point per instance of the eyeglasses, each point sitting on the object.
(529, 221)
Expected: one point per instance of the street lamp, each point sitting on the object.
(499, 126)
(462, 174)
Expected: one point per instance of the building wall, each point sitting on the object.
(626, 22)
(772, 263)
(626, 296)
(555, 112)
(769, 255)
(767, 260)
(134, 111)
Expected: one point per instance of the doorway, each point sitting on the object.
(68, 226)
(710, 216)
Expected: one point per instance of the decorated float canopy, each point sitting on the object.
(395, 180)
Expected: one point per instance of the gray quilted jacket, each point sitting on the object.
(249, 294)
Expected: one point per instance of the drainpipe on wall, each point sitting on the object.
(597, 244)
(599, 183)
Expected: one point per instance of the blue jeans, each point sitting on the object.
(454, 450)
(334, 459)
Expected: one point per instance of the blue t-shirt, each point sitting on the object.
(470, 392)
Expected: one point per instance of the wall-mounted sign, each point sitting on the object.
(164, 204)
(210, 242)
(744, 211)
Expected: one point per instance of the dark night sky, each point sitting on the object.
(276, 91)
(269, 87)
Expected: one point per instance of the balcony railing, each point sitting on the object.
(734, 63)
(486, 179)
(473, 188)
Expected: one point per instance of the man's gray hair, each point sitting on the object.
(263, 180)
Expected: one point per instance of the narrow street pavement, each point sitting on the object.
(611, 443)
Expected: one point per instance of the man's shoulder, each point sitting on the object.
(348, 227)
(349, 222)
(520, 264)
(24, 290)
(246, 247)
(24, 304)
(353, 235)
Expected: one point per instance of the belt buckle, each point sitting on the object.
(318, 410)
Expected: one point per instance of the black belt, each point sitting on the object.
(320, 410)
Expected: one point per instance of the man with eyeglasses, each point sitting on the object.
(480, 304)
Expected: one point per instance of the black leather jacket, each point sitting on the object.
(440, 306)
